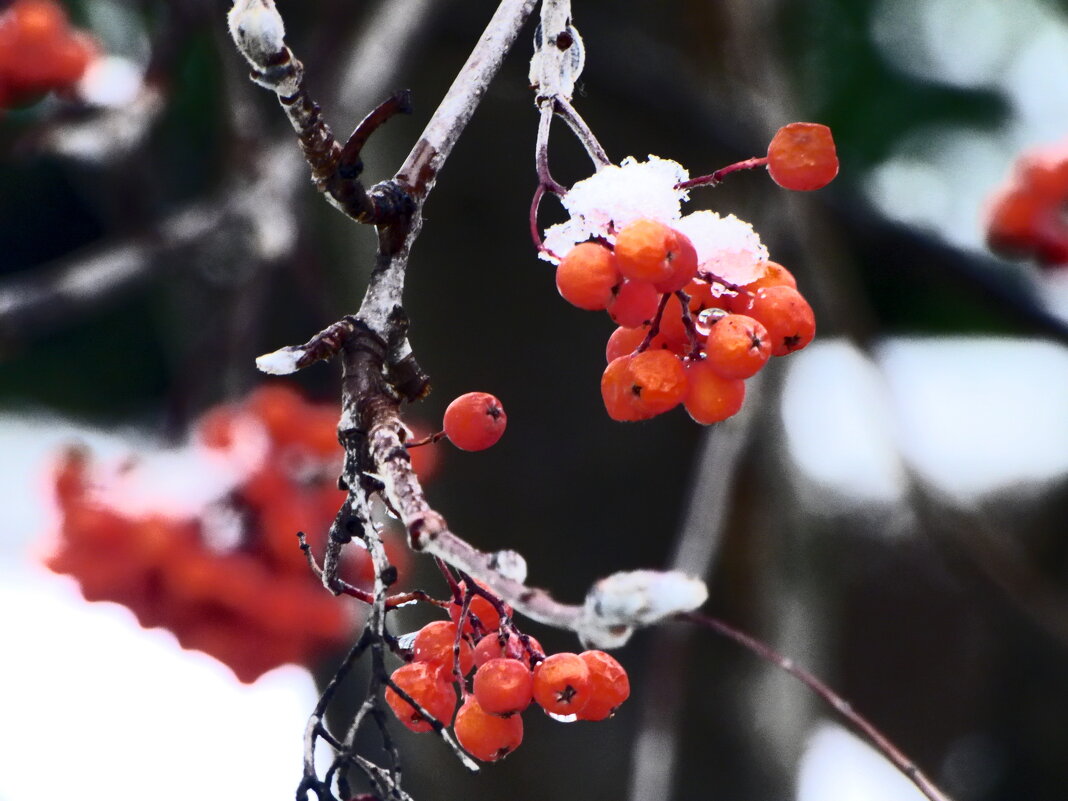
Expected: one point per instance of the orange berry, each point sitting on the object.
(474, 421)
(672, 328)
(480, 609)
(659, 380)
(435, 644)
(775, 275)
(484, 736)
(490, 647)
(562, 684)
(710, 397)
(802, 156)
(617, 391)
(647, 250)
(623, 341)
(587, 275)
(643, 385)
(609, 685)
(426, 685)
(737, 346)
(635, 303)
(786, 315)
(503, 686)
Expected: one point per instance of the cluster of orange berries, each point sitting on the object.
(39, 51)
(1026, 216)
(683, 337)
(510, 671)
(253, 604)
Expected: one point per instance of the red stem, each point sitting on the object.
(723, 172)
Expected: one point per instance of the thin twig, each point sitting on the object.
(839, 704)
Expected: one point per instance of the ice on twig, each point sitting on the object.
(622, 602)
(283, 361)
(257, 30)
(510, 564)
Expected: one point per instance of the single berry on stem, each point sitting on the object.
(562, 684)
(587, 276)
(484, 736)
(711, 398)
(737, 346)
(503, 686)
(474, 421)
(634, 304)
(427, 686)
(787, 316)
(649, 251)
(609, 685)
(802, 156)
(435, 643)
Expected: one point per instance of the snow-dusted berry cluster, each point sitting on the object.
(699, 306)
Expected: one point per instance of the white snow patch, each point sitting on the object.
(111, 81)
(838, 766)
(280, 362)
(617, 195)
(135, 706)
(726, 246)
(839, 423)
(977, 415)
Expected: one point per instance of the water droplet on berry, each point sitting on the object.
(563, 718)
(706, 318)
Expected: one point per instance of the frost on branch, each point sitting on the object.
(615, 606)
(280, 362)
(258, 31)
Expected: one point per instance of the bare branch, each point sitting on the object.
(839, 704)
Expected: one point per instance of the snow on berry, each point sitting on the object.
(615, 196)
(726, 246)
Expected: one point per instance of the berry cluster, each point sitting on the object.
(227, 577)
(684, 336)
(39, 51)
(510, 671)
(1026, 216)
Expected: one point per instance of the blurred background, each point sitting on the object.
(890, 509)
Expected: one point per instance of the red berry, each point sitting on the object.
(435, 644)
(643, 385)
(481, 609)
(635, 303)
(490, 647)
(710, 397)
(609, 685)
(425, 683)
(562, 684)
(484, 736)
(787, 316)
(587, 275)
(503, 686)
(775, 275)
(649, 251)
(737, 346)
(802, 156)
(474, 421)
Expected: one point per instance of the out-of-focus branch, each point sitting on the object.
(839, 704)
(655, 750)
